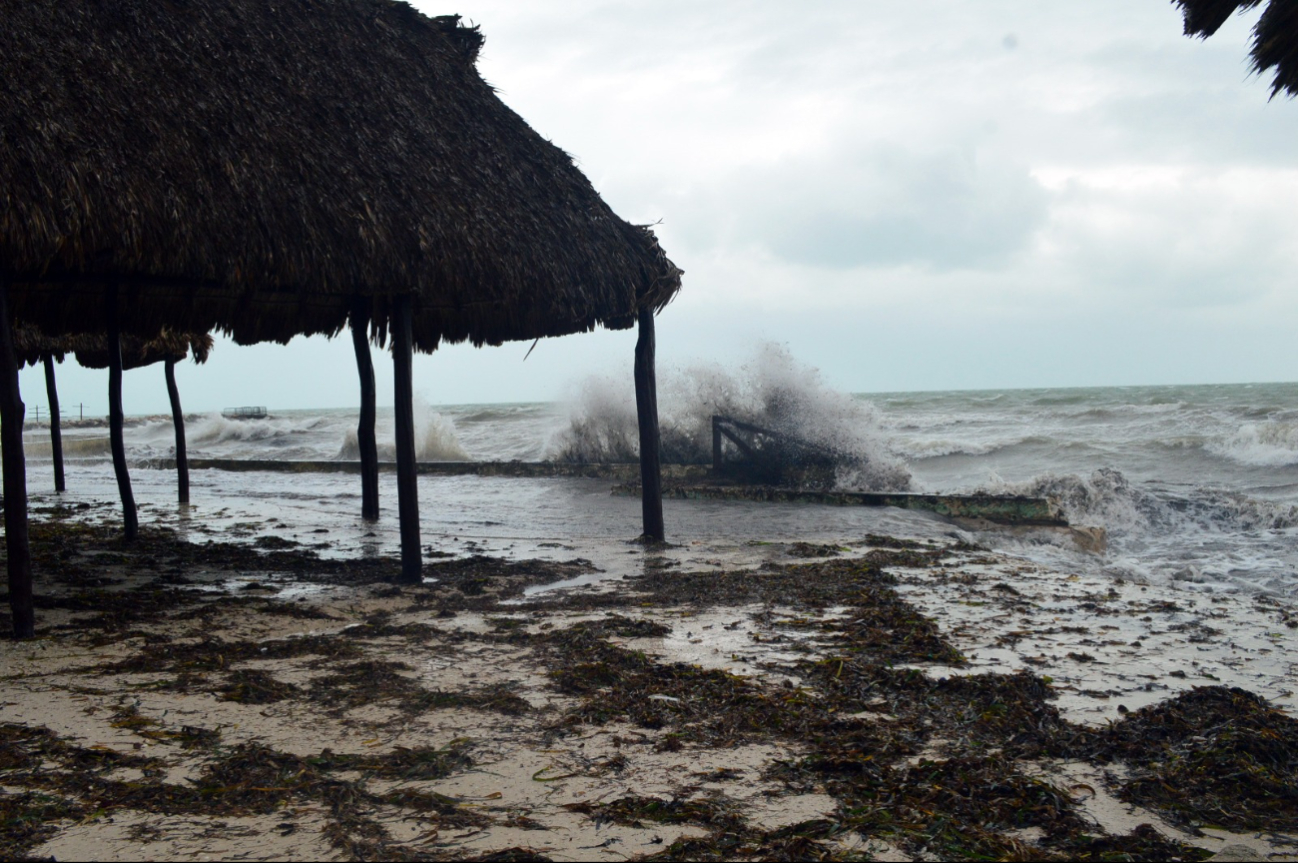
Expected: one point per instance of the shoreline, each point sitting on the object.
(656, 701)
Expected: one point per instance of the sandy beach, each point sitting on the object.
(877, 698)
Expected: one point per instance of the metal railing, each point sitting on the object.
(764, 455)
(38, 415)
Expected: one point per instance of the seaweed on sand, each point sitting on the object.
(375, 681)
(82, 559)
(27, 819)
(625, 627)
(967, 807)
(479, 576)
(1008, 711)
(814, 549)
(822, 584)
(700, 705)
(62, 780)
(251, 686)
(634, 811)
(215, 654)
(1213, 755)
(860, 726)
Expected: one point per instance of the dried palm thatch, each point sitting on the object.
(92, 351)
(137, 353)
(1275, 36)
(250, 167)
(32, 345)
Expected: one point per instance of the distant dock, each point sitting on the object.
(250, 412)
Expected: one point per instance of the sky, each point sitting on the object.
(911, 196)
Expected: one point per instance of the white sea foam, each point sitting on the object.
(772, 390)
(1108, 499)
(1262, 444)
(914, 447)
(435, 438)
(1211, 538)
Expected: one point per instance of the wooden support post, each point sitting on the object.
(15, 479)
(365, 439)
(178, 420)
(131, 521)
(56, 431)
(407, 477)
(646, 402)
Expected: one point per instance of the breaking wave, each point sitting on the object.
(772, 390)
(1210, 539)
(435, 439)
(1264, 444)
(1108, 499)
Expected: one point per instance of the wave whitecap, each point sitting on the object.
(1262, 444)
(772, 390)
(435, 439)
(1108, 499)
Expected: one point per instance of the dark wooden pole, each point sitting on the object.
(365, 439)
(178, 420)
(646, 403)
(131, 520)
(15, 479)
(407, 477)
(56, 432)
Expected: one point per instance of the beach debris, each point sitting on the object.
(1211, 756)
(864, 700)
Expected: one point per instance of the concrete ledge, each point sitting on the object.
(1000, 509)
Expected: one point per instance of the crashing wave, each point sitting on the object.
(772, 391)
(1108, 499)
(435, 439)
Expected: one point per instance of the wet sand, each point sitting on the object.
(872, 697)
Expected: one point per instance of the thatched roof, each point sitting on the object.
(31, 345)
(137, 352)
(1275, 37)
(250, 166)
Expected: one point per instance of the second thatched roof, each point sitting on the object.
(1275, 36)
(32, 346)
(249, 166)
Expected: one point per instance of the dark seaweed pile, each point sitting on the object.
(1214, 756)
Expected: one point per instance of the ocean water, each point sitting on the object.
(1196, 486)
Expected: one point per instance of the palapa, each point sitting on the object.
(263, 170)
(1275, 36)
(251, 167)
(169, 348)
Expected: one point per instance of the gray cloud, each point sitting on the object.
(942, 210)
(878, 207)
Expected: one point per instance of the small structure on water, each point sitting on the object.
(251, 412)
(745, 452)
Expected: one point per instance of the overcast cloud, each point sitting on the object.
(1006, 193)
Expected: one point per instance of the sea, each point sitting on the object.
(1195, 487)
